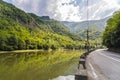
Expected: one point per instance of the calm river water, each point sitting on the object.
(44, 65)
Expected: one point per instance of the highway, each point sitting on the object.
(103, 65)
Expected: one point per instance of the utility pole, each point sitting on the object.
(87, 35)
(88, 44)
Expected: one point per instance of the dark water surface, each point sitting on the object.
(42, 65)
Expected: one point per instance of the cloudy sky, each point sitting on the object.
(69, 10)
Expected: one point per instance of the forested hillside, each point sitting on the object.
(20, 30)
(111, 36)
(54, 26)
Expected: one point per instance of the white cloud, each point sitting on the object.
(70, 10)
(102, 8)
(67, 11)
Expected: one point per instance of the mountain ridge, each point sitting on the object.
(97, 26)
(84, 22)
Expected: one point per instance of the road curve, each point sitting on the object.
(103, 65)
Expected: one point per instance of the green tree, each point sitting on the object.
(111, 36)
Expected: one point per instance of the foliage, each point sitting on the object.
(111, 36)
(19, 37)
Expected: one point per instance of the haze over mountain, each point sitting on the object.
(96, 27)
(74, 26)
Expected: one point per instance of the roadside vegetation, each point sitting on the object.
(111, 36)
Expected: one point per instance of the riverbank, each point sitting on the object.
(36, 50)
(21, 51)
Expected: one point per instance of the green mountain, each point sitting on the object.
(20, 30)
(54, 26)
(96, 27)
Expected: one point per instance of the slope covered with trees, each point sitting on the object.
(20, 30)
(54, 26)
(111, 36)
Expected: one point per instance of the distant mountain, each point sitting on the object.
(96, 27)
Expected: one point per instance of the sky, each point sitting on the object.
(69, 10)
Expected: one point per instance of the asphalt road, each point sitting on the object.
(103, 65)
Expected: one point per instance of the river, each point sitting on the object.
(43, 65)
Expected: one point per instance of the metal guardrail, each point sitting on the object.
(82, 71)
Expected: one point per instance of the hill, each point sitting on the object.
(54, 26)
(20, 30)
(96, 27)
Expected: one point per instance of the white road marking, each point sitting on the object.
(110, 57)
(93, 71)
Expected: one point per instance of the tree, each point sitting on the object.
(111, 36)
